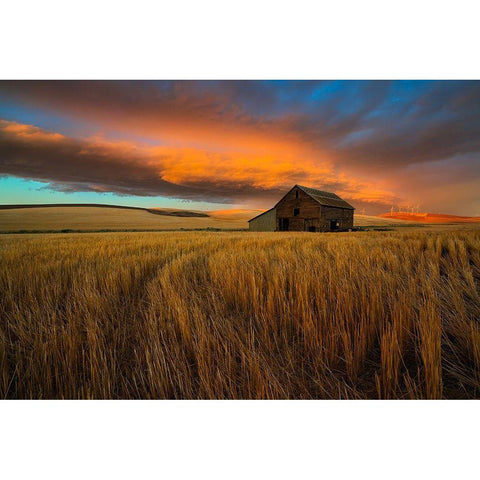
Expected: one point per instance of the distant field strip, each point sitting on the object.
(240, 315)
(112, 218)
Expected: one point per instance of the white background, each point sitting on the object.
(224, 39)
(239, 40)
(239, 440)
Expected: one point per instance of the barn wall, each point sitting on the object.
(331, 213)
(309, 211)
(264, 223)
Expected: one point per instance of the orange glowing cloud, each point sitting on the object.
(29, 132)
(125, 167)
(191, 166)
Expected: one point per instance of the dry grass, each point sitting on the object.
(240, 315)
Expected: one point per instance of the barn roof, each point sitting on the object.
(327, 199)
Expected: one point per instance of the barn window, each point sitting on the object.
(296, 193)
(296, 212)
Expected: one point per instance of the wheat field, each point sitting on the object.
(202, 315)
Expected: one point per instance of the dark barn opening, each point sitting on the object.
(334, 225)
(284, 223)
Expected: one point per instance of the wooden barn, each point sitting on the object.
(305, 209)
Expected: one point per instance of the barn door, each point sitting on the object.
(309, 225)
(284, 224)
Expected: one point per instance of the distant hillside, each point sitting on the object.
(109, 217)
(157, 211)
(94, 217)
(430, 217)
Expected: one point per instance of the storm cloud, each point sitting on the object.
(125, 168)
(377, 143)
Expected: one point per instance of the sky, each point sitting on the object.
(242, 144)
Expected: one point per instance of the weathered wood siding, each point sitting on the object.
(264, 222)
(344, 217)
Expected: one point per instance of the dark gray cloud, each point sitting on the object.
(381, 131)
(84, 165)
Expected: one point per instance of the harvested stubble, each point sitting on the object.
(240, 315)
